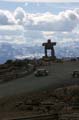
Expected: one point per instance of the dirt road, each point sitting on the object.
(59, 75)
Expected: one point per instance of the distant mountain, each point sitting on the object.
(10, 51)
(13, 51)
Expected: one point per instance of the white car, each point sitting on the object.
(41, 72)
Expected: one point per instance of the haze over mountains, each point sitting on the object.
(25, 26)
(23, 51)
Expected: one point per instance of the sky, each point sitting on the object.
(42, 1)
(26, 24)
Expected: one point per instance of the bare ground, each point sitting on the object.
(56, 93)
(61, 101)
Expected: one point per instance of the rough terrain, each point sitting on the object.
(61, 103)
(28, 95)
(60, 74)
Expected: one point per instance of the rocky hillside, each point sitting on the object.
(15, 69)
(63, 103)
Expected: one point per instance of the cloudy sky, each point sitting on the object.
(41, 0)
(25, 24)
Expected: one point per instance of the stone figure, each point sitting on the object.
(49, 46)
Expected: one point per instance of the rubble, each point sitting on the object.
(40, 103)
(15, 69)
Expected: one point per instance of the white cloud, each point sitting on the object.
(12, 39)
(11, 27)
(20, 15)
(33, 34)
(12, 34)
(64, 21)
(12, 18)
(42, 0)
(6, 18)
(36, 28)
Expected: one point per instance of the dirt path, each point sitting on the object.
(59, 75)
